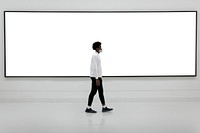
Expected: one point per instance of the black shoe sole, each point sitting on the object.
(90, 112)
(107, 110)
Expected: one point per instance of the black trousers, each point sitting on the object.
(94, 91)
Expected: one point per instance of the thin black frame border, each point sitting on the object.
(38, 11)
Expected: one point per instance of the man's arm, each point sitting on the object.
(95, 61)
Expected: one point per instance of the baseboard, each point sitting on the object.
(60, 100)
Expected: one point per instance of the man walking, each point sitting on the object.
(96, 77)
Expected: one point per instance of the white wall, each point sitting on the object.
(116, 89)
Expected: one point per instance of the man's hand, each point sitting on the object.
(97, 82)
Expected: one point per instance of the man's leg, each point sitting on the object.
(91, 96)
(100, 91)
(93, 92)
(101, 97)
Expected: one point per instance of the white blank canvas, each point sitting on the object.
(133, 43)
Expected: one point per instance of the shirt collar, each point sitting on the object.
(96, 52)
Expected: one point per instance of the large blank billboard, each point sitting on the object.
(134, 43)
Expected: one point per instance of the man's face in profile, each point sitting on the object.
(99, 49)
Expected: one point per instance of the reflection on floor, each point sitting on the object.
(127, 117)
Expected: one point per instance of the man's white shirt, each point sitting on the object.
(95, 66)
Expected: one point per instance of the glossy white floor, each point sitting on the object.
(127, 117)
